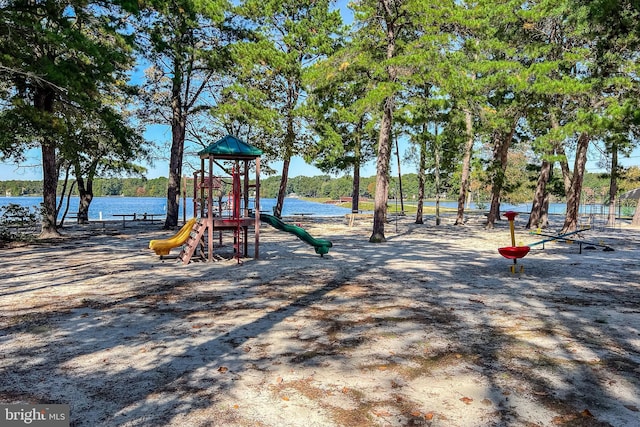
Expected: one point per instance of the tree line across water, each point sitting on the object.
(334, 188)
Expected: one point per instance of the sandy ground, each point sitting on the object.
(430, 328)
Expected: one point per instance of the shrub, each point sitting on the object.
(17, 222)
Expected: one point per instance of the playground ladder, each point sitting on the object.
(192, 243)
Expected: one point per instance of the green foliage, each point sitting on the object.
(14, 188)
(60, 59)
(340, 117)
(266, 84)
(130, 187)
(324, 187)
(17, 222)
(70, 49)
(287, 77)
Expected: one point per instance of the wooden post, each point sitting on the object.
(184, 199)
(201, 188)
(257, 212)
(195, 195)
(245, 210)
(210, 212)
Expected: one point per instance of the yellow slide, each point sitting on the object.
(162, 247)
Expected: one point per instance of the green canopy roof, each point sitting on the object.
(230, 147)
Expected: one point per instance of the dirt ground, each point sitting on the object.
(430, 328)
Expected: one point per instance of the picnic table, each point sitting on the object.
(124, 218)
(140, 217)
(151, 217)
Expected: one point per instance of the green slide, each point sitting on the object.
(321, 246)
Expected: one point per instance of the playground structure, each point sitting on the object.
(226, 200)
(221, 197)
(230, 212)
(321, 246)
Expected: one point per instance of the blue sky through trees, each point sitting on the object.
(31, 169)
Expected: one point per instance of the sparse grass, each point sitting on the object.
(40, 329)
(359, 416)
(301, 386)
(307, 355)
(422, 366)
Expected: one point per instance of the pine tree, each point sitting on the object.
(340, 117)
(185, 42)
(381, 29)
(56, 53)
(288, 36)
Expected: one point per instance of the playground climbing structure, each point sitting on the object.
(222, 192)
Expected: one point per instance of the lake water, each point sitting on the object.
(525, 208)
(106, 207)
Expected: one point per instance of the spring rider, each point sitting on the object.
(513, 252)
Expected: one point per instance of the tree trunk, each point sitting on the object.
(49, 188)
(382, 174)
(436, 155)
(575, 190)
(544, 217)
(66, 208)
(539, 196)
(501, 144)
(539, 216)
(636, 215)
(86, 197)
(43, 101)
(384, 138)
(355, 192)
(289, 140)
(399, 177)
(497, 178)
(466, 167)
(282, 192)
(566, 172)
(613, 186)
(421, 179)
(85, 190)
(494, 208)
(420, 205)
(357, 164)
(65, 196)
(178, 129)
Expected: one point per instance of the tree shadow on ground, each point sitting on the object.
(399, 331)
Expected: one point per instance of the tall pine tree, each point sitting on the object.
(56, 53)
